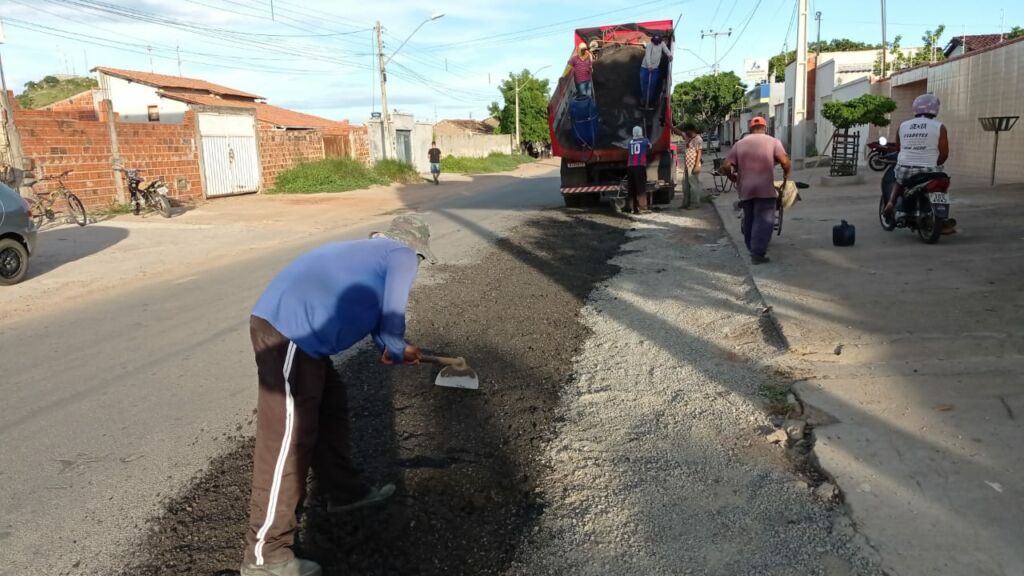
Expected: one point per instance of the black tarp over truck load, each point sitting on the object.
(594, 163)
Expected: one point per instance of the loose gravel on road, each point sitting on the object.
(660, 465)
(618, 429)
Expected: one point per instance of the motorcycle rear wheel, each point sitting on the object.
(888, 222)
(929, 227)
(163, 205)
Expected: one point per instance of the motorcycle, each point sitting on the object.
(924, 206)
(153, 196)
(878, 150)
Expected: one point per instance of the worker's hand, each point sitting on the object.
(412, 356)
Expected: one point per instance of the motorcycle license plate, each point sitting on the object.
(938, 198)
(162, 190)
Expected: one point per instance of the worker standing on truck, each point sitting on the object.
(650, 71)
(636, 170)
(324, 302)
(581, 64)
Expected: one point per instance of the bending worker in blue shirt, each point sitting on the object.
(321, 304)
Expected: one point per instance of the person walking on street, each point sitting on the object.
(322, 303)
(636, 170)
(581, 64)
(693, 158)
(650, 71)
(434, 155)
(755, 157)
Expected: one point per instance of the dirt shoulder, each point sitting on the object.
(73, 264)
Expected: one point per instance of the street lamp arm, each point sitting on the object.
(404, 42)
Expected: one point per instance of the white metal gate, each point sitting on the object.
(231, 163)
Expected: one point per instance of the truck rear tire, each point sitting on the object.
(573, 200)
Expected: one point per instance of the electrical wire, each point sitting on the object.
(144, 50)
(740, 35)
(527, 32)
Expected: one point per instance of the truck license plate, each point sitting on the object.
(575, 164)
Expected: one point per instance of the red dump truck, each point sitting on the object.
(590, 135)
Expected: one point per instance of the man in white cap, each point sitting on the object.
(322, 303)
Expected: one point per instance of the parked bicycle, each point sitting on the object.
(153, 196)
(43, 202)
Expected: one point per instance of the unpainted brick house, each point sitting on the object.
(204, 139)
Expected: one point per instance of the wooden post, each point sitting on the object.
(107, 110)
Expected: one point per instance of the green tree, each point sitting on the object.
(707, 100)
(1015, 32)
(534, 94)
(899, 59)
(777, 64)
(866, 109)
(50, 90)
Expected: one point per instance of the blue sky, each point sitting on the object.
(316, 55)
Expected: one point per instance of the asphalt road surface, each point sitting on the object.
(112, 405)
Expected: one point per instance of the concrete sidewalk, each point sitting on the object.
(913, 353)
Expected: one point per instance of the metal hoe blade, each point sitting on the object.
(460, 376)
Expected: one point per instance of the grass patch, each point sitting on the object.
(342, 175)
(492, 163)
(775, 395)
(396, 172)
(110, 210)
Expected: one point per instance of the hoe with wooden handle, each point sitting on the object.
(455, 372)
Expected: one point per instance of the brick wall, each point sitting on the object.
(81, 106)
(168, 151)
(283, 149)
(360, 144)
(57, 140)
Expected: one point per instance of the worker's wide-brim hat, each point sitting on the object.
(412, 231)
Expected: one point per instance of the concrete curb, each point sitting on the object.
(724, 213)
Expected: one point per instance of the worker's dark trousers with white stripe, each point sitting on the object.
(301, 420)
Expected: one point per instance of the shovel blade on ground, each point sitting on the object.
(451, 378)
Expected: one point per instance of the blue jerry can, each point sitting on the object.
(844, 234)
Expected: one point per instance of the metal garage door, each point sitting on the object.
(231, 163)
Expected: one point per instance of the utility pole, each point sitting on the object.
(817, 47)
(519, 140)
(799, 151)
(714, 35)
(885, 44)
(177, 49)
(385, 114)
(12, 140)
(150, 50)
